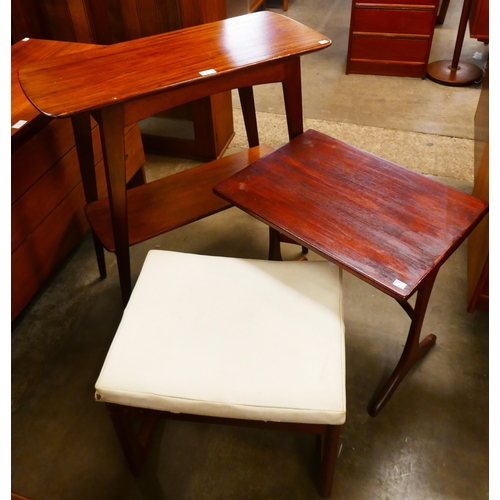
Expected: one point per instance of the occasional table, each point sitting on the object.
(389, 226)
(123, 83)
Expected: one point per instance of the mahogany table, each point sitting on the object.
(127, 82)
(389, 226)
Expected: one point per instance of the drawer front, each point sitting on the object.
(43, 197)
(44, 251)
(393, 21)
(389, 49)
(387, 68)
(38, 155)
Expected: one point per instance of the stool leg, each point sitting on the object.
(285, 5)
(134, 445)
(328, 459)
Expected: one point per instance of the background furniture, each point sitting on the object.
(479, 20)
(392, 37)
(385, 224)
(47, 195)
(128, 82)
(455, 72)
(240, 7)
(478, 243)
(229, 341)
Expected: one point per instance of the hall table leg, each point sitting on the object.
(111, 122)
(413, 351)
(83, 141)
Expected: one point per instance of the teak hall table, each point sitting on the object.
(389, 226)
(126, 82)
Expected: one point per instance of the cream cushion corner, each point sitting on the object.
(229, 337)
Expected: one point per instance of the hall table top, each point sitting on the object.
(148, 66)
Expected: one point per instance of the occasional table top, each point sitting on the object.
(147, 66)
(385, 224)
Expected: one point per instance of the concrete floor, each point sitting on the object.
(431, 440)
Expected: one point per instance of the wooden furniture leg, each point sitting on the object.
(274, 245)
(135, 444)
(111, 122)
(249, 115)
(285, 5)
(414, 349)
(83, 140)
(292, 94)
(329, 454)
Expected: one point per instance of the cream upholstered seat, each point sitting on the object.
(234, 339)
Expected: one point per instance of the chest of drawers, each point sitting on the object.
(392, 37)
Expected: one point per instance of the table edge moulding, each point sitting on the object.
(121, 84)
(140, 68)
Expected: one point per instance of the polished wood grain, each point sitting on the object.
(112, 21)
(23, 53)
(383, 223)
(151, 65)
(380, 221)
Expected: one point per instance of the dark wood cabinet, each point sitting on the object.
(478, 243)
(47, 195)
(111, 21)
(392, 37)
(479, 20)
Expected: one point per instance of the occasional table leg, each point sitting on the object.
(413, 351)
(274, 245)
